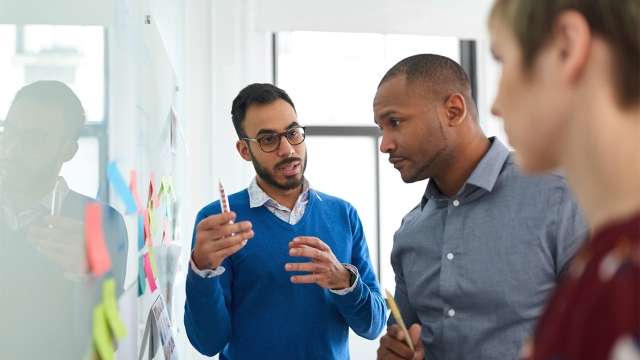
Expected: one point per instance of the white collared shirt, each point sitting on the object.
(18, 219)
(257, 198)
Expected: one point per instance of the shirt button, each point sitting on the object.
(450, 256)
(456, 203)
(451, 313)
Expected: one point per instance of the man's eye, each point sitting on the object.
(394, 122)
(267, 139)
(293, 133)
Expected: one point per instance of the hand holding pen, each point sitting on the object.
(400, 342)
(218, 237)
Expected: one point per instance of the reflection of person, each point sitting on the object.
(476, 259)
(304, 278)
(580, 60)
(47, 292)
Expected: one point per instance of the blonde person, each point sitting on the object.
(570, 98)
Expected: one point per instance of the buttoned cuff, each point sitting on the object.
(206, 273)
(354, 271)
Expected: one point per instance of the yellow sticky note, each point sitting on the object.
(111, 309)
(101, 337)
(154, 265)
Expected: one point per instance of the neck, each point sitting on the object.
(461, 164)
(285, 198)
(26, 197)
(602, 159)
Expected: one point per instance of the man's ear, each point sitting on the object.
(243, 149)
(455, 109)
(69, 151)
(572, 38)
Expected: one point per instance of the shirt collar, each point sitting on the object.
(484, 176)
(18, 219)
(257, 196)
(486, 173)
(61, 189)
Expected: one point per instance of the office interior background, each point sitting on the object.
(157, 77)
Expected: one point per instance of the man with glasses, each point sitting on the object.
(293, 274)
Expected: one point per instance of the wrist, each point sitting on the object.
(347, 279)
(200, 263)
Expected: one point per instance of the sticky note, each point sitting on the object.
(141, 232)
(149, 273)
(154, 201)
(166, 187)
(165, 232)
(101, 337)
(97, 254)
(147, 227)
(111, 309)
(133, 186)
(152, 260)
(118, 183)
(142, 283)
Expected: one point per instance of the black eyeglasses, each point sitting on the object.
(271, 142)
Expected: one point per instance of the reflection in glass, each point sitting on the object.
(48, 292)
(73, 55)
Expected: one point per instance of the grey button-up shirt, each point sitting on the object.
(476, 269)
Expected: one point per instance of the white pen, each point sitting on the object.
(224, 201)
(54, 198)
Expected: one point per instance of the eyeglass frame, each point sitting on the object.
(280, 135)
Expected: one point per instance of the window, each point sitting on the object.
(332, 78)
(74, 55)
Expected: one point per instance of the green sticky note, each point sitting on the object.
(101, 337)
(142, 281)
(111, 309)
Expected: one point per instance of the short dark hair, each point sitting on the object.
(531, 21)
(58, 95)
(437, 74)
(261, 94)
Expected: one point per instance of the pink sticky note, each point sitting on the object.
(149, 272)
(97, 254)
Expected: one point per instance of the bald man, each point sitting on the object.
(477, 257)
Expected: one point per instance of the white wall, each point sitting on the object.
(461, 18)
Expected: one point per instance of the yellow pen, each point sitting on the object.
(398, 318)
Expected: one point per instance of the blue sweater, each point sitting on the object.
(253, 311)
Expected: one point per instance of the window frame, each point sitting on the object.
(99, 129)
(468, 61)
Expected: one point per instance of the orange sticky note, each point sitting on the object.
(133, 186)
(149, 272)
(97, 254)
(165, 232)
(153, 195)
(147, 226)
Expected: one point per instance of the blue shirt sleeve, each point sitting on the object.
(569, 229)
(364, 308)
(207, 318)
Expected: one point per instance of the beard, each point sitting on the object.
(267, 176)
(425, 168)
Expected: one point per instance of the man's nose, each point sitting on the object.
(387, 145)
(285, 149)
